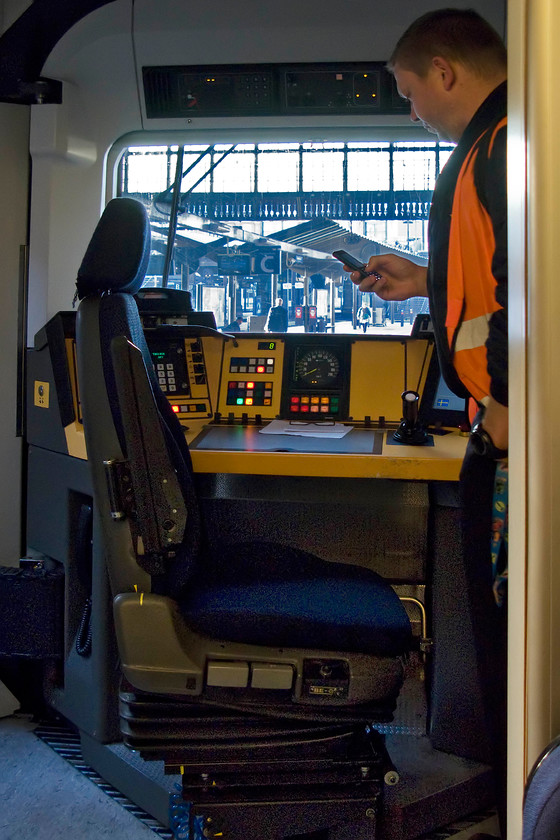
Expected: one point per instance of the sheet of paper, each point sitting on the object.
(305, 429)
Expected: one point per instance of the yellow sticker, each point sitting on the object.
(41, 394)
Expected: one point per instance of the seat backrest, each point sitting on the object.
(149, 513)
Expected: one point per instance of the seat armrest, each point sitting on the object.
(153, 645)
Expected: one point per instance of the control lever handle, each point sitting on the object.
(410, 430)
(410, 408)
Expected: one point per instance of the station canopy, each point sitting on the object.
(307, 246)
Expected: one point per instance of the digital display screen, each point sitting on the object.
(439, 405)
(446, 400)
(234, 264)
(266, 345)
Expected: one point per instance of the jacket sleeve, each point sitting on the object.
(494, 198)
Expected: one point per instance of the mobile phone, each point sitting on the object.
(350, 261)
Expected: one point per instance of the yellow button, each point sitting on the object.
(41, 394)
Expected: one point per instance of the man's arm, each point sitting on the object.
(496, 415)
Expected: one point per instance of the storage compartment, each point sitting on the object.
(31, 612)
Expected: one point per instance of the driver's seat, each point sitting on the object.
(259, 670)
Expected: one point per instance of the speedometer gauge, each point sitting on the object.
(316, 378)
(317, 367)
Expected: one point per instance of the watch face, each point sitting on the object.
(484, 445)
(478, 442)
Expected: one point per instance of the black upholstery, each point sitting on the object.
(333, 606)
(117, 256)
(118, 316)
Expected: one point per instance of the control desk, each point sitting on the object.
(337, 400)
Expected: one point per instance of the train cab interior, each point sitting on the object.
(236, 548)
(228, 613)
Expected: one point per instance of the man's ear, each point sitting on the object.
(445, 71)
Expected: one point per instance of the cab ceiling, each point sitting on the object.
(100, 48)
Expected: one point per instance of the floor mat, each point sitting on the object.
(66, 743)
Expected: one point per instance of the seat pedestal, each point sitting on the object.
(246, 775)
(436, 789)
(336, 813)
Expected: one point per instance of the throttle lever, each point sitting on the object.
(410, 430)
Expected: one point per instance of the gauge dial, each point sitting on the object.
(317, 367)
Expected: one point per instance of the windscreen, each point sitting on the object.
(248, 229)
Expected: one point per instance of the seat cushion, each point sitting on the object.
(306, 603)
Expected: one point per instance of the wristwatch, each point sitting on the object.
(484, 445)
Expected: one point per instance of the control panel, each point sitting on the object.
(180, 369)
(251, 381)
(317, 380)
(227, 90)
(327, 378)
(232, 387)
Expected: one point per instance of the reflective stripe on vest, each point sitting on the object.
(471, 295)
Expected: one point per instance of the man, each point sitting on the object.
(451, 67)
(235, 326)
(277, 320)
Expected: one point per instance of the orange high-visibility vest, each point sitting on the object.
(471, 302)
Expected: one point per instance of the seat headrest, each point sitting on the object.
(117, 255)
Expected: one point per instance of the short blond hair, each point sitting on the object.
(460, 35)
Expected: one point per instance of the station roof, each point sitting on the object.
(324, 235)
(308, 245)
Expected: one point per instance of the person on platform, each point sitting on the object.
(364, 317)
(277, 320)
(235, 326)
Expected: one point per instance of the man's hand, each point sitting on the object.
(392, 278)
(495, 422)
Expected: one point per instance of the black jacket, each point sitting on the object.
(491, 187)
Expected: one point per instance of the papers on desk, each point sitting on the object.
(305, 429)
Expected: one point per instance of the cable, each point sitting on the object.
(428, 345)
(83, 639)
